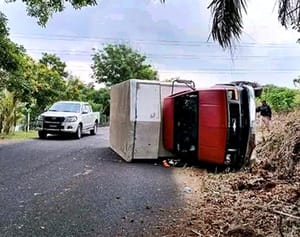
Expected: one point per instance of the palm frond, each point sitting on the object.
(289, 13)
(227, 22)
(297, 82)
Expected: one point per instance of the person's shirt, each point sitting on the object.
(265, 110)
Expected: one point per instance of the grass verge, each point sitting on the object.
(19, 135)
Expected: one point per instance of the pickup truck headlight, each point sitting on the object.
(71, 119)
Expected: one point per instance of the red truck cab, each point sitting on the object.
(213, 125)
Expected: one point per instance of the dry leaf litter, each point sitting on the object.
(262, 201)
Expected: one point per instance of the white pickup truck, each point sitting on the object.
(71, 117)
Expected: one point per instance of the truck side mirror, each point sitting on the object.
(85, 111)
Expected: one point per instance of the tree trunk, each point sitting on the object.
(1, 122)
(15, 100)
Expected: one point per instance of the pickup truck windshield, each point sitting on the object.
(65, 107)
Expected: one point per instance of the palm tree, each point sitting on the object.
(227, 23)
(297, 82)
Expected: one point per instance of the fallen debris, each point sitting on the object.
(280, 151)
(187, 190)
(165, 164)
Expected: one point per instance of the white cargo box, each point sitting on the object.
(135, 118)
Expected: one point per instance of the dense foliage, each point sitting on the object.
(281, 99)
(28, 86)
(117, 63)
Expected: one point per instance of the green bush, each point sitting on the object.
(281, 99)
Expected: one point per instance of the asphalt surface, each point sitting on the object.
(66, 187)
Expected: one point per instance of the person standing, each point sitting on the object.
(266, 114)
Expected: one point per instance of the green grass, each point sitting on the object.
(19, 135)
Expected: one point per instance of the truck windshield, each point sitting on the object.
(65, 107)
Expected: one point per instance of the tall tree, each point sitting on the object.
(117, 63)
(54, 63)
(227, 15)
(7, 111)
(43, 10)
(20, 81)
(100, 99)
(9, 51)
(50, 86)
(77, 90)
(74, 88)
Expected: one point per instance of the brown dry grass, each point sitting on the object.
(264, 201)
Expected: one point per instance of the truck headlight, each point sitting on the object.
(71, 119)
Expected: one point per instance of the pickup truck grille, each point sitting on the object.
(53, 122)
(234, 126)
(54, 119)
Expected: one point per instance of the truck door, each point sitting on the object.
(91, 117)
(86, 117)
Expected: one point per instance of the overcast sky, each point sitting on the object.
(173, 36)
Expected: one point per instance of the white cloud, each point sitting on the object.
(81, 69)
(262, 24)
(201, 79)
(115, 17)
(178, 21)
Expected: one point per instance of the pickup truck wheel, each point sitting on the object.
(78, 132)
(94, 130)
(42, 135)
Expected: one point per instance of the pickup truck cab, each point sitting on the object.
(214, 125)
(68, 117)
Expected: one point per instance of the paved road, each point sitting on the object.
(65, 187)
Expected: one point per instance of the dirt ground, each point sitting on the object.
(263, 200)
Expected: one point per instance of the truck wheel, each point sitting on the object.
(94, 130)
(78, 132)
(42, 135)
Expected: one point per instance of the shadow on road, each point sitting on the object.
(61, 137)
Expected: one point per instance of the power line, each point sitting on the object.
(237, 71)
(171, 56)
(187, 56)
(70, 38)
(217, 71)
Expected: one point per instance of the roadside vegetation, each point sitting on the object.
(281, 99)
(263, 200)
(29, 86)
(19, 135)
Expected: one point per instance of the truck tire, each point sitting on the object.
(78, 133)
(42, 135)
(94, 130)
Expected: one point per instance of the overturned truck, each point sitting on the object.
(151, 120)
